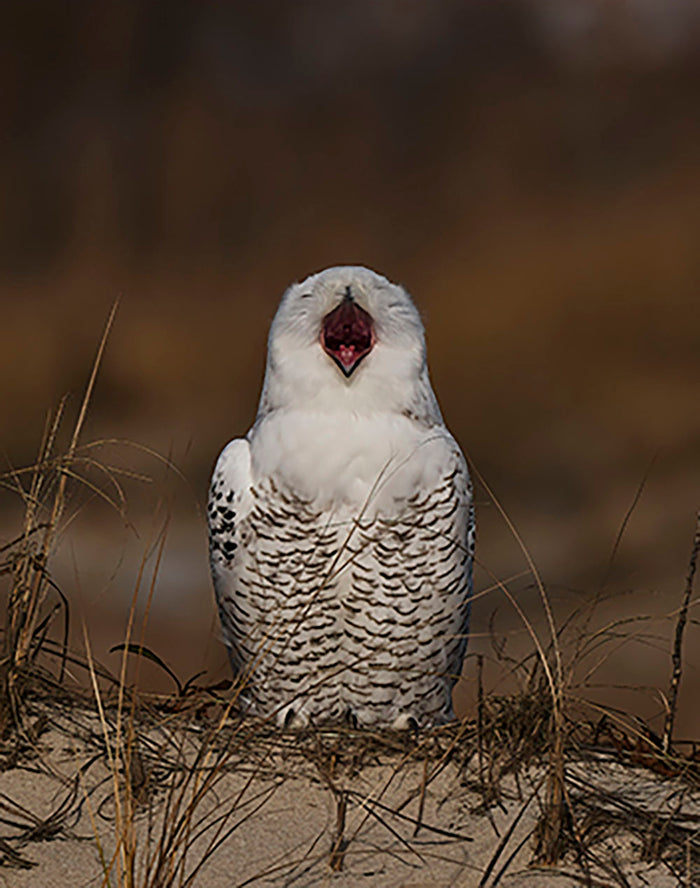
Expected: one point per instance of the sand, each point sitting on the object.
(413, 817)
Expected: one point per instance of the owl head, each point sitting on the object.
(348, 339)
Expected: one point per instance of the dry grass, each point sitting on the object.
(43, 489)
(168, 761)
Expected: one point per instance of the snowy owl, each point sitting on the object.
(341, 528)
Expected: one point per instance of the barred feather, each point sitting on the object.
(342, 534)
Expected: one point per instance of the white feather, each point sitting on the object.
(343, 570)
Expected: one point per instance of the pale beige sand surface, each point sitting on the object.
(276, 801)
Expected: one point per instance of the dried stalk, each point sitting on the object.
(24, 635)
(340, 844)
(678, 643)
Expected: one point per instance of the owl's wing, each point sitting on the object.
(440, 551)
(437, 565)
(230, 502)
(464, 534)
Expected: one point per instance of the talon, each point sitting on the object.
(292, 719)
(406, 722)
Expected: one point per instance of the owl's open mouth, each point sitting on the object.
(347, 335)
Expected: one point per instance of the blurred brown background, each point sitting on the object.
(529, 170)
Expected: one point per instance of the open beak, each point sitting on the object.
(347, 335)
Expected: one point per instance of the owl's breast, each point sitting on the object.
(342, 461)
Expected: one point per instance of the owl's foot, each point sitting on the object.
(404, 721)
(292, 718)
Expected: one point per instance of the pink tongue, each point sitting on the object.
(347, 354)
